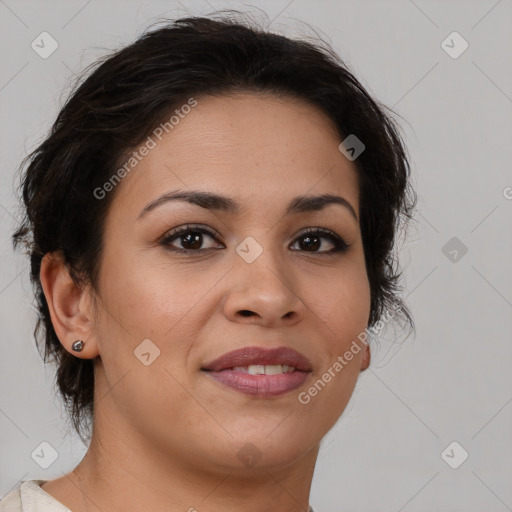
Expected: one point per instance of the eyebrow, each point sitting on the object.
(210, 201)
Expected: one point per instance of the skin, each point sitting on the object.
(166, 435)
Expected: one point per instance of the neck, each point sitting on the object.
(125, 473)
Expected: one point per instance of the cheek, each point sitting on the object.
(350, 314)
(144, 311)
(342, 316)
(343, 305)
(150, 299)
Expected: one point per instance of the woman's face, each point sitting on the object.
(244, 276)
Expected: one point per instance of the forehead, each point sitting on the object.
(254, 147)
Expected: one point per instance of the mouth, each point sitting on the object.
(260, 372)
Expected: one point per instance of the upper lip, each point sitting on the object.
(256, 355)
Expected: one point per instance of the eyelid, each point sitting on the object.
(192, 227)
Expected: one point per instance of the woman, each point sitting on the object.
(211, 224)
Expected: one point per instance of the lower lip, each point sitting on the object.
(260, 385)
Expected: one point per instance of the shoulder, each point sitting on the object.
(11, 502)
(29, 497)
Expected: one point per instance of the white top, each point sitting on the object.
(29, 497)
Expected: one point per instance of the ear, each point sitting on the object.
(367, 356)
(71, 308)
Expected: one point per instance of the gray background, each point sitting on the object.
(452, 381)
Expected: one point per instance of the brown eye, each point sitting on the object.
(189, 238)
(313, 240)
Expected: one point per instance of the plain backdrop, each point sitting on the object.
(392, 450)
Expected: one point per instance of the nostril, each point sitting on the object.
(246, 312)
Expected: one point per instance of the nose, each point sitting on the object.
(261, 293)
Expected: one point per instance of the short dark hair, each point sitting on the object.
(131, 91)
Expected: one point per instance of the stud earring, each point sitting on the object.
(77, 346)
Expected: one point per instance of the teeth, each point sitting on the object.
(265, 369)
(273, 369)
(256, 369)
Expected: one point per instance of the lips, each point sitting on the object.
(248, 356)
(261, 372)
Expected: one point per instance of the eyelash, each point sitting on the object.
(339, 244)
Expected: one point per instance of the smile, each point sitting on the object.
(260, 371)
